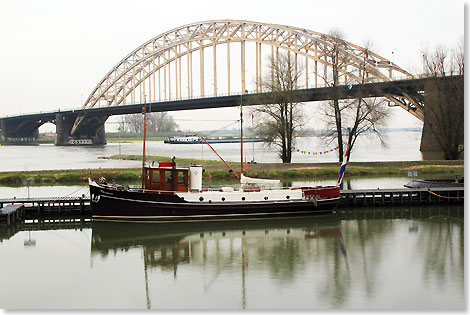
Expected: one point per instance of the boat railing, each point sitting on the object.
(218, 188)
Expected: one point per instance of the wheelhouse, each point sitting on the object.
(166, 177)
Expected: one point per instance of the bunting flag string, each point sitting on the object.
(315, 153)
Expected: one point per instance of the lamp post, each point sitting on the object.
(119, 135)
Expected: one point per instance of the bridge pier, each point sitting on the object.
(91, 131)
(24, 131)
(429, 147)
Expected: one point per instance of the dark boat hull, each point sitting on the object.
(121, 205)
(438, 183)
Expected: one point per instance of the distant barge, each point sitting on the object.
(195, 139)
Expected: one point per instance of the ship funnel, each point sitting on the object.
(195, 178)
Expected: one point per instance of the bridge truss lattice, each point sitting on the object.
(191, 62)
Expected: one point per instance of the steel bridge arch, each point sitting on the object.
(137, 68)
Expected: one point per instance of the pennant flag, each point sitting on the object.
(314, 153)
(343, 168)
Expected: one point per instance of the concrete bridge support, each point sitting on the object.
(20, 130)
(91, 131)
(430, 148)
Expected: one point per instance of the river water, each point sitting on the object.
(402, 258)
(402, 146)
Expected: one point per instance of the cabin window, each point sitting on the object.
(168, 177)
(181, 178)
(156, 177)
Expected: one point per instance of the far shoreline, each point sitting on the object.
(215, 170)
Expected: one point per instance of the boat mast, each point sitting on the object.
(241, 133)
(143, 150)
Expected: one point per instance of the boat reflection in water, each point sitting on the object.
(213, 245)
(354, 259)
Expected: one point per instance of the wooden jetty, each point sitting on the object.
(401, 196)
(11, 213)
(34, 207)
(14, 209)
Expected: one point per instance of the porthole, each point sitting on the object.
(223, 198)
(243, 198)
(265, 198)
(201, 198)
(288, 197)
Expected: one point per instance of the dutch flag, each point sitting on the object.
(343, 168)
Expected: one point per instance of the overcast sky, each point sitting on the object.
(54, 52)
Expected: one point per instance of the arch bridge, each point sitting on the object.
(215, 58)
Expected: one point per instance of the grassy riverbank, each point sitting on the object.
(215, 170)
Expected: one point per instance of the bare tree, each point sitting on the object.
(280, 120)
(131, 123)
(444, 99)
(161, 122)
(335, 106)
(156, 122)
(347, 120)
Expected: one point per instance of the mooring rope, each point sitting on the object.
(77, 191)
(429, 190)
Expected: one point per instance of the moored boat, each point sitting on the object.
(436, 183)
(169, 193)
(195, 139)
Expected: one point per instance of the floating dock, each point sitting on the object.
(20, 208)
(11, 213)
(401, 196)
(14, 209)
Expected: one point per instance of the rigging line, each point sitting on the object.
(220, 158)
(76, 191)
(175, 119)
(184, 119)
(225, 127)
